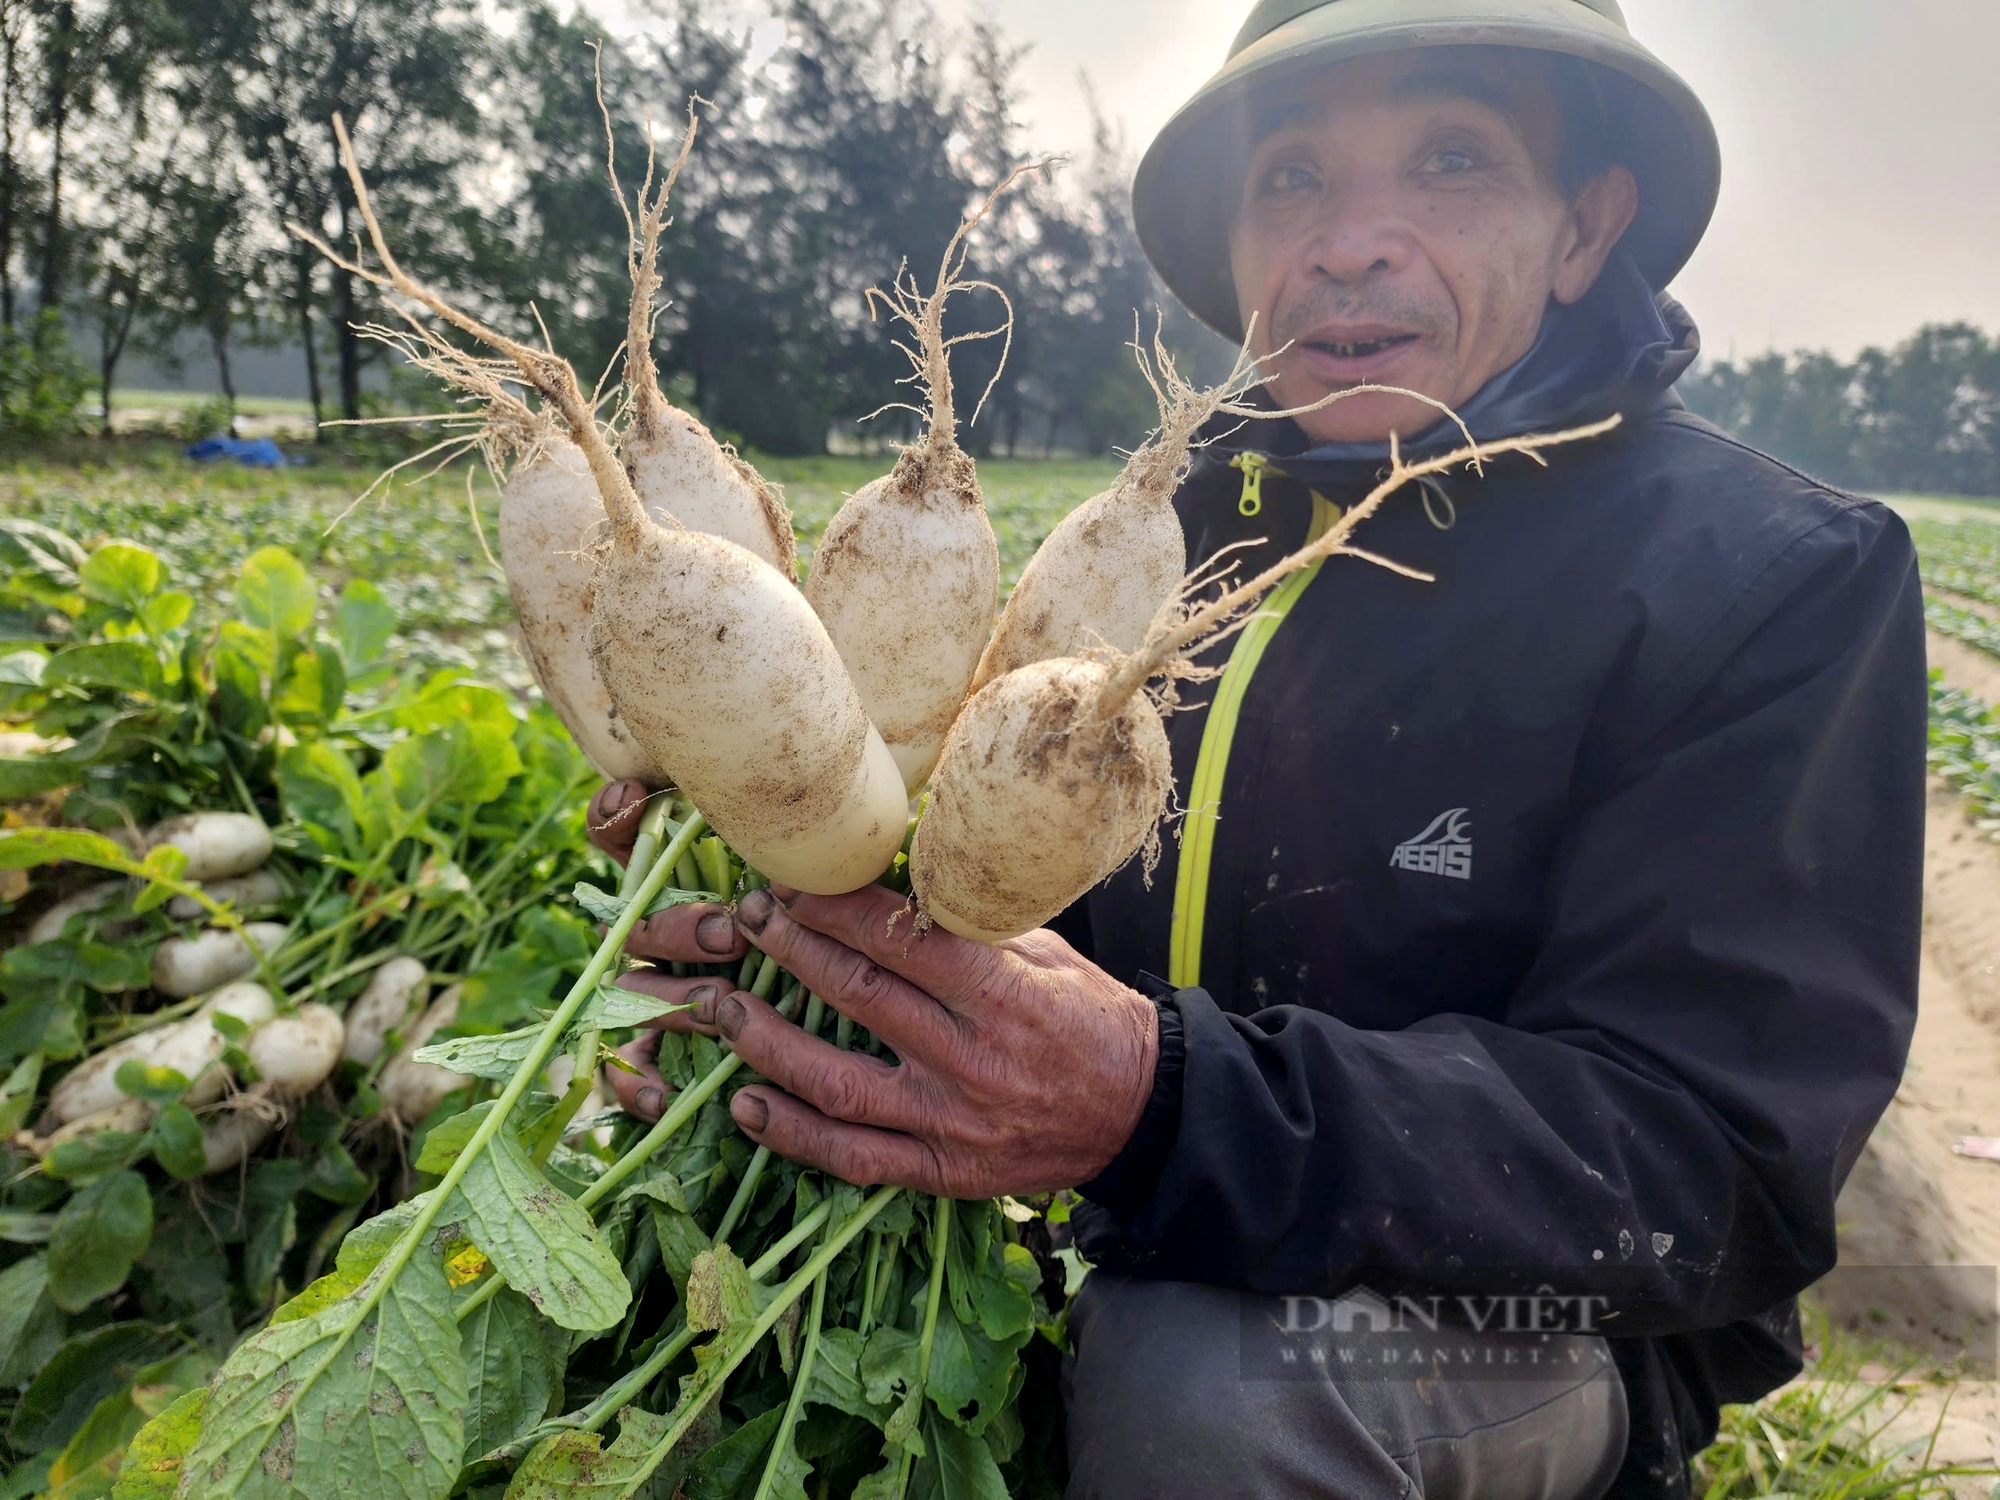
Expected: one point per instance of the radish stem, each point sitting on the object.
(940, 1237)
(801, 1375)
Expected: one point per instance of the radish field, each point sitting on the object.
(191, 1177)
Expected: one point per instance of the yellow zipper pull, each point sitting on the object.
(1253, 466)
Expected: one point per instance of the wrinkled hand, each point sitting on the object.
(1021, 1067)
(685, 934)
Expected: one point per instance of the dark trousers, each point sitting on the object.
(1177, 1390)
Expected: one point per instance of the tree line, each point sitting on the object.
(154, 153)
(1922, 417)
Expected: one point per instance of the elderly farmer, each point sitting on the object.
(1543, 941)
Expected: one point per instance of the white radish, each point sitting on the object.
(907, 577)
(230, 1135)
(1100, 579)
(215, 956)
(188, 1047)
(49, 925)
(129, 1116)
(295, 1054)
(551, 516)
(1058, 772)
(217, 844)
(549, 511)
(411, 1090)
(1037, 799)
(725, 673)
(719, 668)
(675, 464)
(396, 990)
(259, 888)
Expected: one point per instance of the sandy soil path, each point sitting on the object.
(1912, 1205)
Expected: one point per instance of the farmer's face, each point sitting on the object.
(1403, 223)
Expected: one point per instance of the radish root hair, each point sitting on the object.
(930, 357)
(1162, 462)
(548, 374)
(645, 224)
(1167, 652)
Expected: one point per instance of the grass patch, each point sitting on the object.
(1861, 1424)
(416, 541)
(249, 406)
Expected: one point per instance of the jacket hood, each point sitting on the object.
(1619, 349)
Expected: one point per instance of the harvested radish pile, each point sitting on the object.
(548, 1298)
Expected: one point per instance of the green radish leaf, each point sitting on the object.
(884, 1483)
(366, 624)
(17, 1098)
(152, 1466)
(577, 1465)
(275, 593)
(80, 1374)
(332, 681)
(104, 1433)
(337, 1179)
(116, 970)
(972, 1376)
(122, 666)
(721, 1297)
(92, 1154)
(889, 1366)
(724, 1469)
(122, 574)
(370, 1242)
(100, 1232)
(836, 1377)
(992, 1282)
(903, 1429)
(22, 777)
(612, 1007)
(513, 1377)
(317, 1297)
(18, 1228)
(22, 669)
(494, 1057)
(353, 1404)
(24, 1302)
(958, 1467)
(25, 848)
(273, 1220)
(165, 613)
(598, 905)
(177, 1143)
(540, 1242)
(319, 787)
(606, 908)
(161, 865)
(156, 1085)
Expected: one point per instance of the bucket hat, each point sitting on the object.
(1185, 195)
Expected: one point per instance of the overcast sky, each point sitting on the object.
(1860, 141)
(1860, 144)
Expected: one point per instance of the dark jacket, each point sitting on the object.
(1562, 915)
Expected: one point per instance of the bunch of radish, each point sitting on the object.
(652, 573)
(655, 583)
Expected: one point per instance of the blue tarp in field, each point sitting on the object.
(258, 453)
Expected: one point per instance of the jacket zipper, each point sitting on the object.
(1204, 803)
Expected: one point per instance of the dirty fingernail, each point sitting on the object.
(754, 914)
(731, 1017)
(716, 933)
(751, 1112)
(652, 1103)
(703, 1001)
(613, 799)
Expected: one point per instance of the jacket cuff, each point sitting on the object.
(1128, 1184)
